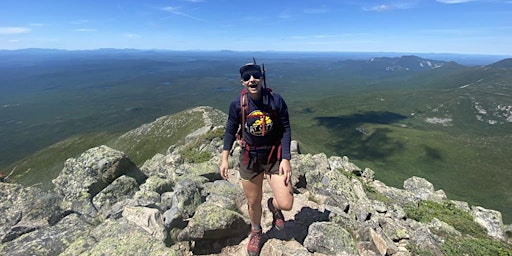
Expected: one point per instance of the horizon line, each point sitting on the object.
(247, 51)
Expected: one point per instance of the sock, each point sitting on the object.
(256, 228)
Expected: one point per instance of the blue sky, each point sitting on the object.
(415, 26)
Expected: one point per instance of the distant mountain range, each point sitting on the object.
(464, 59)
(487, 88)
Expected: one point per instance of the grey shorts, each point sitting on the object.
(258, 161)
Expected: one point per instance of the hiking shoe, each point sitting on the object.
(277, 215)
(253, 247)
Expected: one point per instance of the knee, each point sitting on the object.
(254, 202)
(285, 205)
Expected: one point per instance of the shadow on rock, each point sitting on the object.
(298, 228)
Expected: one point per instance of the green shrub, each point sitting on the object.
(474, 240)
(415, 250)
(447, 212)
(374, 194)
(476, 246)
(192, 153)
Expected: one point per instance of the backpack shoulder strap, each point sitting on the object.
(244, 109)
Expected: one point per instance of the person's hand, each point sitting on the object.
(285, 169)
(224, 166)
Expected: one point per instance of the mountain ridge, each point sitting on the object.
(176, 203)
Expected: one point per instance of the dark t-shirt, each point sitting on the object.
(261, 130)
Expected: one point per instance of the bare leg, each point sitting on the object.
(283, 194)
(254, 193)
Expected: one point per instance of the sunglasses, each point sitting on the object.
(247, 76)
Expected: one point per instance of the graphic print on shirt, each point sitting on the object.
(259, 123)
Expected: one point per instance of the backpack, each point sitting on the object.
(244, 115)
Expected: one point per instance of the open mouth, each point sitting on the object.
(253, 86)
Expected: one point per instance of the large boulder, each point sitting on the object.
(84, 177)
(26, 209)
(329, 238)
(490, 220)
(125, 236)
(49, 240)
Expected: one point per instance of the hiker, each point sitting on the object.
(258, 118)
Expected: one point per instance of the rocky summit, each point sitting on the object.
(176, 203)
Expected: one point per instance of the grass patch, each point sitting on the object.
(144, 142)
(474, 240)
(476, 246)
(447, 212)
(374, 194)
(193, 153)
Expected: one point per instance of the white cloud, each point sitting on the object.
(381, 8)
(79, 22)
(177, 11)
(392, 6)
(14, 30)
(132, 35)
(85, 30)
(174, 10)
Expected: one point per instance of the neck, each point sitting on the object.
(255, 96)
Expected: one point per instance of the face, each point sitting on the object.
(252, 81)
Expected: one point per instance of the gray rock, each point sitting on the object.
(368, 175)
(26, 209)
(284, 248)
(397, 195)
(157, 184)
(489, 219)
(294, 147)
(437, 226)
(148, 219)
(186, 198)
(120, 189)
(49, 240)
(211, 222)
(147, 198)
(329, 238)
(344, 164)
(393, 229)
(309, 169)
(118, 237)
(507, 229)
(419, 187)
(374, 242)
(84, 177)
(423, 239)
(225, 194)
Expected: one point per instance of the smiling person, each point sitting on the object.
(259, 120)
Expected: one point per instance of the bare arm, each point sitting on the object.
(224, 165)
